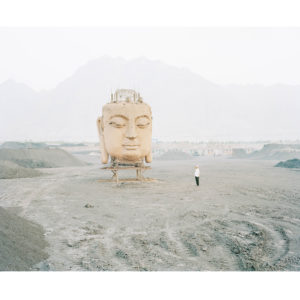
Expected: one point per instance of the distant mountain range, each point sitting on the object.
(185, 106)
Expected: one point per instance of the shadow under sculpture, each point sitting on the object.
(125, 133)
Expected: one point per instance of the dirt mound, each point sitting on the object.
(19, 145)
(292, 163)
(21, 243)
(40, 158)
(271, 152)
(10, 170)
(239, 153)
(72, 145)
(175, 155)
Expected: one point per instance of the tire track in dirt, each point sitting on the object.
(208, 245)
(286, 243)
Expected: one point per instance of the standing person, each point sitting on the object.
(197, 174)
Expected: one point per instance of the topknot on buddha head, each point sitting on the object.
(125, 95)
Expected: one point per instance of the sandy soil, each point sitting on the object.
(244, 216)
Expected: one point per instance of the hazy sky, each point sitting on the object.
(42, 57)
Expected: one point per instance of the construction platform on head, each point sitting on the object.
(116, 167)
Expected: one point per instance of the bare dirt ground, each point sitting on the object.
(244, 216)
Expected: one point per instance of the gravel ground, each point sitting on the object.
(245, 215)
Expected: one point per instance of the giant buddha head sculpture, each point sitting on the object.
(125, 128)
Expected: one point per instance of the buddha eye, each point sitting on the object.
(117, 122)
(117, 125)
(142, 122)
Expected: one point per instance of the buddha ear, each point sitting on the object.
(104, 154)
(148, 157)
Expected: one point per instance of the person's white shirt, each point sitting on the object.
(197, 172)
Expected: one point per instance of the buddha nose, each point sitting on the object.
(131, 131)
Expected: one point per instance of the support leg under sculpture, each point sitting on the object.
(115, 175)
(138, 175)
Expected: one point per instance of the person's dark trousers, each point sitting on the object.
(197, 180)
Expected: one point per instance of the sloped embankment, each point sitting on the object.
(292, 163)
(10, 170)
(40, 158)
(271, 152)
(175, 155)
(20, 145)
(22, 243)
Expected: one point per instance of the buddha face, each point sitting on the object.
(125, 131)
